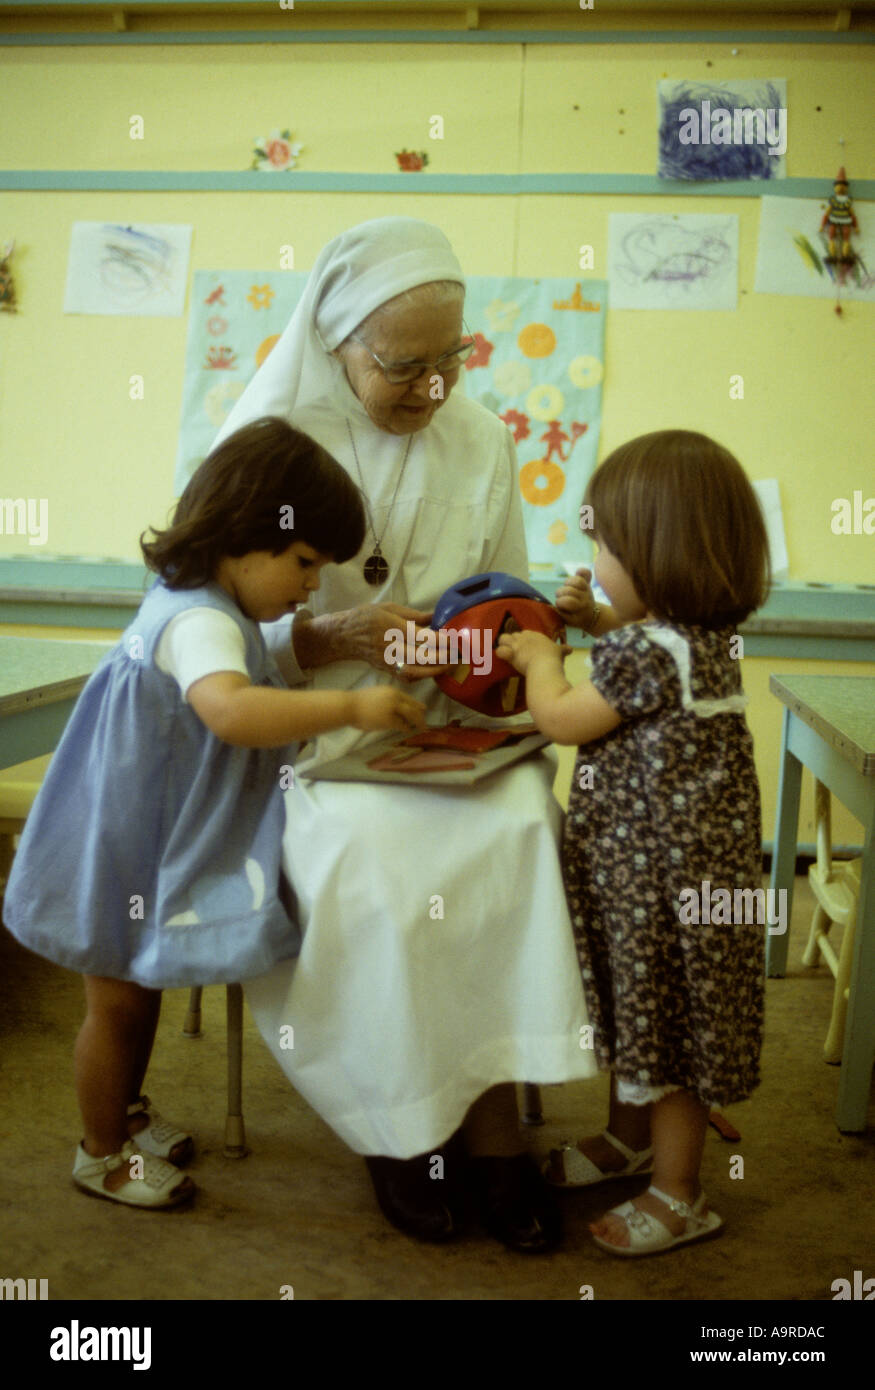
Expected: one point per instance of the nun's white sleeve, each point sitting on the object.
(505, 539)
(278, 640)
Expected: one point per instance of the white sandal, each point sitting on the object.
(649, 1236)
(568, 1167)
(160, 1185)
(160, 1137)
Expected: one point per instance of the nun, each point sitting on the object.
(410, 1029)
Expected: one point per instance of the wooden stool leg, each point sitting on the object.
(532, 1113)
(7, 853)
(820, 925)
(835, 1038)
(235, 1134)
(192, 1025)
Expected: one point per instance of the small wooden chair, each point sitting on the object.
(835, 884)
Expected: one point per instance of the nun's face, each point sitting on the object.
(409, 333)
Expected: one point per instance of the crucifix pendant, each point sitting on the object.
(376, 568)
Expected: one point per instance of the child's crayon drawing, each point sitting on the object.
(673, 262)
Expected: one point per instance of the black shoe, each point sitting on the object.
(515, 1204)
(418, 1204)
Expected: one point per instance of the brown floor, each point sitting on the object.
(299, 1209)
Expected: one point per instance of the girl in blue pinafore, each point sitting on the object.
(664, 801)
(152, 855)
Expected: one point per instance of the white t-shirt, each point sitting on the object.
(199, 642)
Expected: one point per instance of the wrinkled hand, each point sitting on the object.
(522, 648)
(574, 599)
(412, 670)
(386, 707)
(365, 630)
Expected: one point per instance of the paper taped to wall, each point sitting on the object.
(769, 494)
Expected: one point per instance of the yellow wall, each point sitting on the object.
(69, 432)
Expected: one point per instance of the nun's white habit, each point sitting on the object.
(401, 1021)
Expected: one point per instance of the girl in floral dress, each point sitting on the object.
(663, 813)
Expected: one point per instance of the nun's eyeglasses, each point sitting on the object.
(399, 372)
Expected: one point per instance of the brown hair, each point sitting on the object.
(680, 515)
(239, 499)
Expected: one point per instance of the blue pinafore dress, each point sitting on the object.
(152, 852)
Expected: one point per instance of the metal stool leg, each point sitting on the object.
(532, 1113)
(192, 1025)
(235, 1134)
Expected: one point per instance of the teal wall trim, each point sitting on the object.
(446, 36)
(232, 181)
(826, 622)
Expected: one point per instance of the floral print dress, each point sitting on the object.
(667, 802)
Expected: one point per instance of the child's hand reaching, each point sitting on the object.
(386, 707)
(575, 601)
(521, 648)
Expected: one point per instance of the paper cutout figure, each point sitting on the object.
(7, 288)
(411, 161)
(221, 359)
(576, 301)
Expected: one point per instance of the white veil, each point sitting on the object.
(353, 275)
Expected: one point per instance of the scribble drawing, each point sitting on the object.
(676, 256)
(134, 265)
(711, 161)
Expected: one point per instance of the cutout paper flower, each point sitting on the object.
(502, 315)
(220, 400)
(276, 153)
(481, 354)
(512, 378)
(411, 161)
(260, 296)
(518, 423)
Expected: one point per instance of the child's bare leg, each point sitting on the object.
(107, 1056)
(628, 1123)
(678, 1125)
(152, 1009)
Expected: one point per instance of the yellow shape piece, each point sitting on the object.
(266, 348)
(509, 689)
(537, 340)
